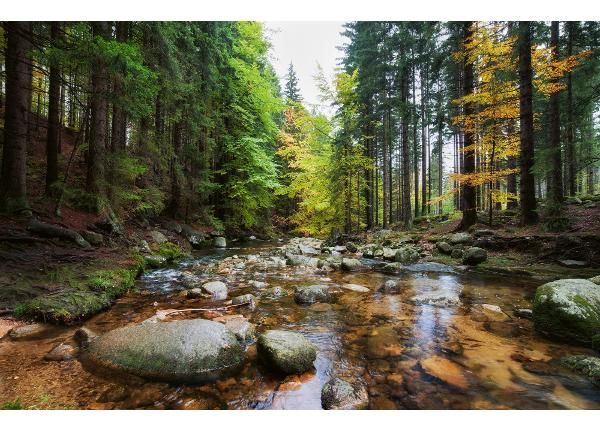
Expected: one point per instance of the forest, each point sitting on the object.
(174, 210)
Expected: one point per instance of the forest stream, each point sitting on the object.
(433, 340)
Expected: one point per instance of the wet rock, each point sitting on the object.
(62, 352)
(568, 309)
(286, 351)
(30, 331)
(312, 294)
(407, 255)
(340, 394)
(155, 261)
(524, 313)
(461, 238)
(573, 264)
(240, 326)
(158, 237)
(194, 237)
(485, 312)
(372, 251)
(351, 264)
(457, 253)
(595, 280)
(117, 393)
(257, 284)
(585, 365)
(351, 247)
(444, 247)
(144, 247)
(474, 256)
(220, 242)
(308, 250)
(187, 351)
(246, 299)
(391, 286)
(445, 370)
(389, 254)
(390, 268)
(194, 293)
(436, 298)
(383, 342)
(275, 292)
(216, 289)
(430, 267)
(301, 260)
(355, 287)
(93, 238)
(83, 336)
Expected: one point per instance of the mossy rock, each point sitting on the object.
(585, 365)
(286, 351)
(568, 309)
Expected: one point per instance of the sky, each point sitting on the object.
(305, 44)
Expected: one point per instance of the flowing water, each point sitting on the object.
(430, 345)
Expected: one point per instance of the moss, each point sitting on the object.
(12, 405)
(170, 251)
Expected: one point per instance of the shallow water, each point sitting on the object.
(430, 346)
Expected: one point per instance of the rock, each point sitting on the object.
(247, 299)
(308, 250)
(351, 247)
(568, 309)
(240, 326)
(62, 352)
(372, 251)
(30, 331)
(194, 237)
(340, 394)
(524, 313)
(485, 312)
(118, 393)
(391, 268)
(445, 370)
(275, 292)
(286, 351)
(431, 267)
(216, 289)
(220, 242)
(173, 226)
(194, 293)
(573, 264)
(389, 254)
(461, 238)
(257, 284)
(407, 255)
(356, 288)
(589, 205)
(95, 239)
(585, 365)
(50, 230)
(186, 351)
(444, 247)
(351, 264)
(383, 342)
(457, 253)
(158, 237)
(144, 247)
(595, 280)
(301, 260)
(484, 233)
(312, 294)
(155, 261)
(436, 298)
(390, 286)
(473, 256)
(109, 225)
(83, 336)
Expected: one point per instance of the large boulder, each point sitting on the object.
(407, 255)
(216, 289)
(158, 237)
(473, 256)
(187, 351)
(585, 365)
(194, 237)
(444, 247)
(351, 264)
(312, 294)
(155, 261)
(301, 260)
(220, 242)
(372, 251)
(340, 394)
(568, 309)
(461, 238)
(286, 351)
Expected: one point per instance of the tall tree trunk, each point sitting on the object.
(407, 212)
(119, 117)
(386, 172)
(556, 195)
(53, 115)
(415, 141)
(13, 180)
(526, 158)
(571, 170)
(368, 172)
(423, 141)
(99, 106)
(468, 191)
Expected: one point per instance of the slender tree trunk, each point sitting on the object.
(13, 180)
(571, 170)
(407, 212)
(119, 116)
(415, 141)
(526, 158)
(386, 172)
(53, 115)
(423, 142)
(556, 188)
(468, 191)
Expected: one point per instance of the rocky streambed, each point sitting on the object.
(304, 326)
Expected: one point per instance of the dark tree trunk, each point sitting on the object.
(571, 170)
(119, 117)
(99, 108)
(53, 115)
(406, 209)
(468, 191)
(526, 159)
(556, 188)
(13, 181)
(386, 172)
(415, 141)
(423, 143)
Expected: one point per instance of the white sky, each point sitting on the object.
(306, 44)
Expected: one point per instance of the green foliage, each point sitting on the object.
(170, 251)
(12, 405)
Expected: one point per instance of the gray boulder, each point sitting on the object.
(155, 261)
(407, 255)
(286, 351)
(312, 294)
(62, 352)
(188, 351)
(473, 256)
(340, 394)
(351, 264)
(244, 331)
(457, 253)
(158, 237)
(194, 237)
(216, 289)
(585, 365)
(595, 280)
(568, 309)
(246, 299)
(30, 331)
(444, 247)
(431, 267)
(461, 238)
(220, 242)
(301, 260)
(351, 247)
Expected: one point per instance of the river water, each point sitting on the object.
(429, 344)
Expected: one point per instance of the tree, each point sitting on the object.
(13, 180)
(292, 89)
(556, 185)
(54, 125)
